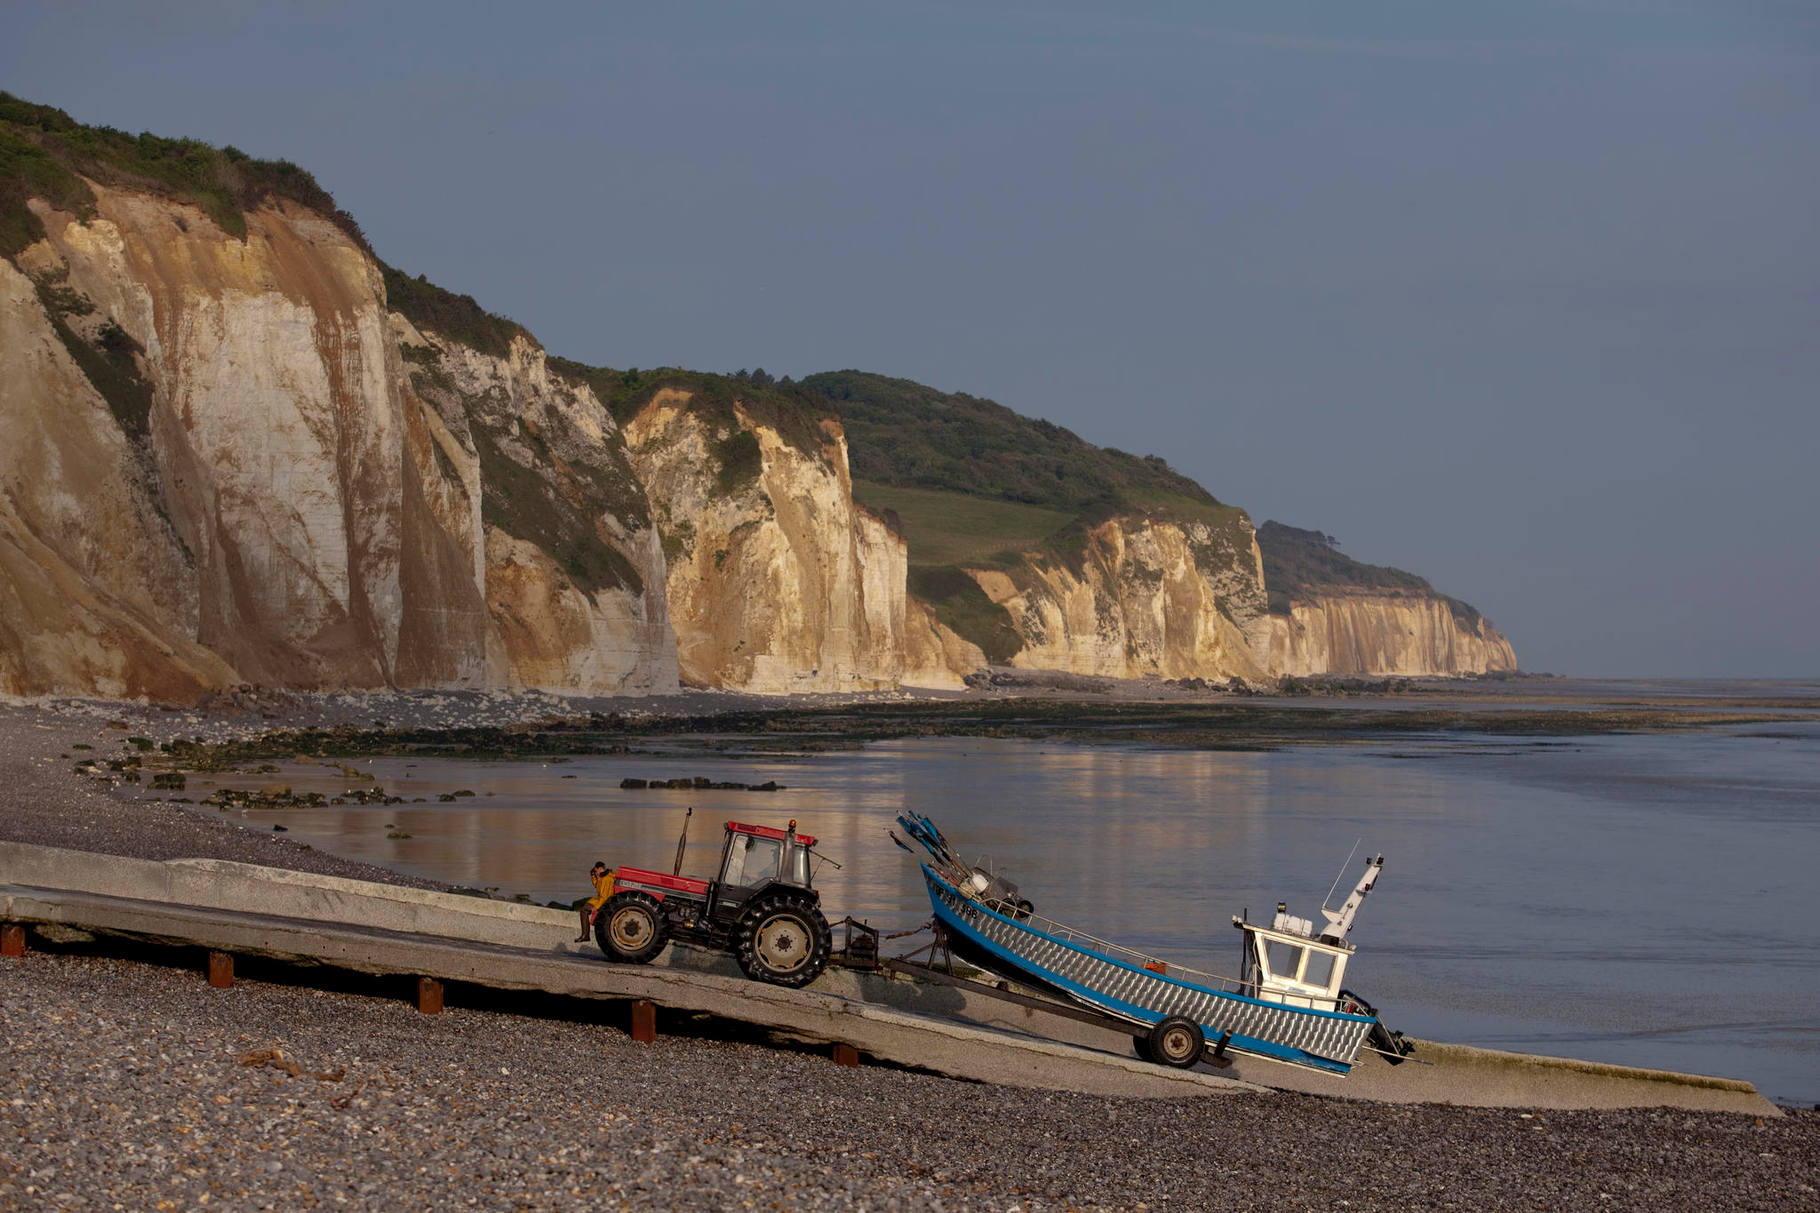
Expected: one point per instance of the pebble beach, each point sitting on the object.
(126, 1082)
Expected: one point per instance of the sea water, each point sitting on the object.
(1643, 899)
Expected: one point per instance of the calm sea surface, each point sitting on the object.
(1646, 900)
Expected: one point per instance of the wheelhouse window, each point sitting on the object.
(1283, 959)
(1320, 970)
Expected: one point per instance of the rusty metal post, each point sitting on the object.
(846, 1055)
(221, 969)
(644, 1021)
(429, 996)
(12, 939)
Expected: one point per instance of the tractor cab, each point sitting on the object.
(754, 858)
(761, 908)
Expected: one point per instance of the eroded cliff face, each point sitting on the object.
(228, 460)
(528, 474)
(1361, 633)
(778, 581)
(1145, 597)
(97, 591)
(934, 657)
(261, 493)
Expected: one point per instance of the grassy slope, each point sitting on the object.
(944, 528)
(906, 435)
(974, 484)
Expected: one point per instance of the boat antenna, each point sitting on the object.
(1342, 875)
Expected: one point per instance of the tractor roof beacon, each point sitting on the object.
(762, 907)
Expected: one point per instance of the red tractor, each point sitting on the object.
(762, 908)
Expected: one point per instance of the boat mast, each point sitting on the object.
(1340, 921)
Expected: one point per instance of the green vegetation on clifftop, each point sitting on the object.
(906, 435)
(44, 153)
(1300, 564)
(795, 415)
(457, 317)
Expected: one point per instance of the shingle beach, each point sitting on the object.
(126, 1082)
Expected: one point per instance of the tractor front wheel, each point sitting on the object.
(1176, 1041)
(631, 928)
(782, 940)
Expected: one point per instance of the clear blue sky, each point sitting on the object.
(1524, 298)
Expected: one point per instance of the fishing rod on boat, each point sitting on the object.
(1342, 874)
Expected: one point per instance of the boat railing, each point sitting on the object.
(1093, 943)
(1131, 956)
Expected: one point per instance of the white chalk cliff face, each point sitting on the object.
(270, 441)
(291, 509)
(230, 461)
(1145, 598)
(778, 581)
(97, 590)
(1362, 633)
(527, 473)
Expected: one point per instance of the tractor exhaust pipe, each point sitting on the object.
(676, 868)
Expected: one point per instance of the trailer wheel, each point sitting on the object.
(1175, 1041)
(631, 928)
(782, 939)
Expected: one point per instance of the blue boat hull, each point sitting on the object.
(1323, 1040)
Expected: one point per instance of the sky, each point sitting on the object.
(1524, 298)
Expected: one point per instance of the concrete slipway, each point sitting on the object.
(384, 929)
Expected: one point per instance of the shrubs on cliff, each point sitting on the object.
(740, 461)
(524, 503)
(44, 153)
(109, 356)
(28, 171)
(457, 317)
(908, 435)
(786, 408)
(1299, 564)
(964, 609)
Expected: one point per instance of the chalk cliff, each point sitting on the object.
(1142, 597)
(562, 575)
(297, 487)
(1357, 633)
(1330, 614)
(97, 590)
(242, 449)
(778, 582)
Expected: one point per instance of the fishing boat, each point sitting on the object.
(1287, 1003)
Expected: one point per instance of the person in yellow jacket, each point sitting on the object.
(602, 876)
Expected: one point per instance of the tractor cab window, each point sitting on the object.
(796, 867)
(752, 860)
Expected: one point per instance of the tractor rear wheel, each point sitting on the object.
(1176, 1041)
(631, 928)
(782, 939)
